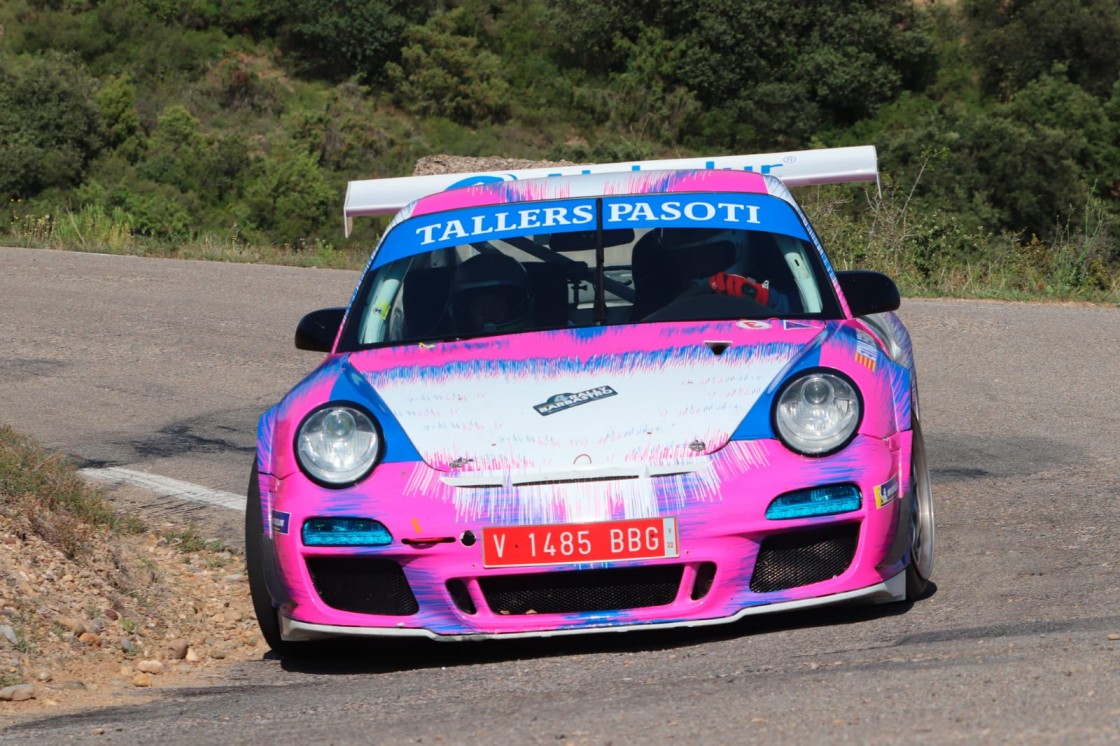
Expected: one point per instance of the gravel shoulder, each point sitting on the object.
(131, 616)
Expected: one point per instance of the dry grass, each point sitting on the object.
(86, 594)
(43, 494)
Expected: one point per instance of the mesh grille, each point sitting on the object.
(586, 590)
(363, 585)
(804, 557)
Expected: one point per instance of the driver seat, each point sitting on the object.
(662, 270)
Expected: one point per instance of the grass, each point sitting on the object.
(91, 229)
(189, 540)
(43, 493)
(927, 253)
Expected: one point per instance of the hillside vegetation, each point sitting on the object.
(229, 129)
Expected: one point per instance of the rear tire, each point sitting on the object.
(922, 530)
(267, 618)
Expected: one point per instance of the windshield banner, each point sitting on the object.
(701, 210)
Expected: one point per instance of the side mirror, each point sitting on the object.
(317, 330)
(868, 292)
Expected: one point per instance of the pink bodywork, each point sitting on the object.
(719, 497)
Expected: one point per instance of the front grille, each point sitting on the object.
(586, 590)
(364, 585)
(804, 557)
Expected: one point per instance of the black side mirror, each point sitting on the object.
(317, 330)
(868, 292)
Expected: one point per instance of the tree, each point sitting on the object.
(767, 73)
(289, 199)
(341, 39)
(116, 100)
(446, 72)
(50, 126)
(1016, 41)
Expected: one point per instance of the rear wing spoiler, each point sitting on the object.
(797, 168)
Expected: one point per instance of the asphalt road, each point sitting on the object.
(163, 366)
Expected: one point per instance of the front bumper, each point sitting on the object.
(889, 591)
(733, 561)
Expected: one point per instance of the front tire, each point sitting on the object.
(922, 530)
(267, 618)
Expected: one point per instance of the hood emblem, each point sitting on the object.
(560, 402)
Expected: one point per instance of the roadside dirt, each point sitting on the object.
(455, 164)
(132, 615)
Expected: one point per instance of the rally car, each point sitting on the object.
(614, 397)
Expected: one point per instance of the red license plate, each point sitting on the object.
(565, 543)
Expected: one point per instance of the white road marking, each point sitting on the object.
(167, 487)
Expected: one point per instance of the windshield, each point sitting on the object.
(521, 267)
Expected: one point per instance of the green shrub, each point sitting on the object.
(50, 127)
(340, 39)
(173, 150)
(767, 73)
(1014, 43)
(243, 81)
(445, 73)
(289, 199)
(645, 98)
(116, 101)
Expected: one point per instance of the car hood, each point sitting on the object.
(611, 397)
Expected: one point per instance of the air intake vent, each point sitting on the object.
(804, 557)
(705, 575)
(461, 597)
(363, 585)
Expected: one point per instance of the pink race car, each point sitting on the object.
(619, 396)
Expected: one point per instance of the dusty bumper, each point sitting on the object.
(444, 590)
(888, 591)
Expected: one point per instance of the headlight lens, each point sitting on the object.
(338, 445)
(817, 413)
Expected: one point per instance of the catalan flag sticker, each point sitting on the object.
(867, 353)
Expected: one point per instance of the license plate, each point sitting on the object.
(566, 543)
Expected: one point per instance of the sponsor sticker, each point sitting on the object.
(867, 352)
(789, 324)
(560, 402)
(280, 522)
(886, 493)
(498, 223)
(756, 324)
(658, 209)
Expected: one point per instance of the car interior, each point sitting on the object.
(585, 278)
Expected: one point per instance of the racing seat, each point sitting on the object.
(662, 270)
(550, 295)
(767, 263)
(425, 302)
(654, 286)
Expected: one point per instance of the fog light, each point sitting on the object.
(837, 498)
(345, 532)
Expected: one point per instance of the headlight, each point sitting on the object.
(337, 445)
(817, 413)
